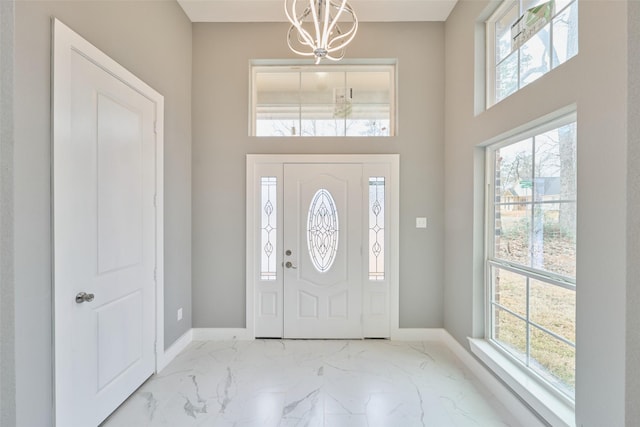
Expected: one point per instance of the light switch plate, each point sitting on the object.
(179, 314)
(421, 222)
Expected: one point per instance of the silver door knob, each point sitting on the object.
(84, 297)
(289, 264)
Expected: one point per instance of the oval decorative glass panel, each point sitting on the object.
(322, 230)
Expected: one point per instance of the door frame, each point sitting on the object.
(258, 163)
(66, 41)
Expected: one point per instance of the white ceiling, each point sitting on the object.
(273, 10)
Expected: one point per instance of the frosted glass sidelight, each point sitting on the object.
(322, 230)
(268, 228)
(376, 228)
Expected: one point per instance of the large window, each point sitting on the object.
(317, 100)
(531, 259)
(525, 40)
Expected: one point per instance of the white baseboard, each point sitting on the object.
(417, 334)
(175, 349)
(510, 401)
(222, 334)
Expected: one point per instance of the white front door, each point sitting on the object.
(322, 251)
(104, 240)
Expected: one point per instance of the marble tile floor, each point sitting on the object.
(312, 383)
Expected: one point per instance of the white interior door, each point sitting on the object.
(322, 251)
(104, 240)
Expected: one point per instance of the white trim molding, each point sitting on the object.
(165, 357)
(553, 409)
(522, 413)
(222, 334)
(418, 334)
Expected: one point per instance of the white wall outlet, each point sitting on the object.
(179, 314)
(421, 222)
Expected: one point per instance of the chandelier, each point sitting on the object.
(315, 24)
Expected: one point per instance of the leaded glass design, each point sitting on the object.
(268, 228)
(322, 230)
(376, 228)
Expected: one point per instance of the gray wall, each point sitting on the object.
(221, 55)
(7, 336)
(596, 80)
(633, 219)
(153, 40)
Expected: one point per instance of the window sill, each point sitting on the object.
(552, 408)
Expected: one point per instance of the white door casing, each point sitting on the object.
(107, 215)
(266, 293)
(323, 254)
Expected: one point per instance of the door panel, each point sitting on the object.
(119, 337)
(323, 230)
(120, 184)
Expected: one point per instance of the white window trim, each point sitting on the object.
(556, 410)
(551, 404)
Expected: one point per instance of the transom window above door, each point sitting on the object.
(330, 101)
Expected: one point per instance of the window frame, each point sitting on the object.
(490, 49)
(358, 65)
(534, 129)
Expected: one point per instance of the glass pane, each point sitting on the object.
(565, 35)
(514, 193)
(510, 332)
(507, 76)
(528, 4)
(376, 228)
(268, 227)
(512, 233)
(554, 308)
(270, 125)
(514, 170)
(534, 57)
(561, 4)
(368, 97)
(503, 32)
(510, 290)
(277, 104)
(554, 224)
(556, 164)
(365, 127)
(325, 103)
(370, 88)
(320, 127)
(553, 243)
(554, 360)
(322, 230)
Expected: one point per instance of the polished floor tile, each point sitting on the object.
(373, 383)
